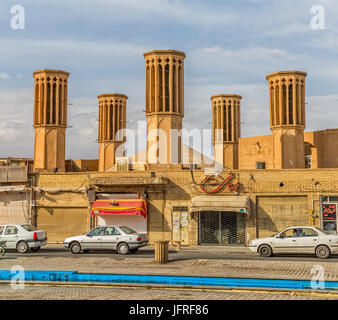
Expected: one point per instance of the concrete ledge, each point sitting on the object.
(177, 287)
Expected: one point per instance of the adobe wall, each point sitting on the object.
(305, 184)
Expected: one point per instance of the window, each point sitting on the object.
(325, 199)
(308, 155)
(166, 87)
(111, 231)
(28, 227)
(321, 230)
(260, 165)
(127, 230)
(308, 162)
(2, 230)
(284, 104)
(290, 233)
(308, 233)
(96, 232)
(290, 103)
(11, 230)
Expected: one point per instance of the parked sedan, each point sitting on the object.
(120, 238)
(301, 240)
(23, 237)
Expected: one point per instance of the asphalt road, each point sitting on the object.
(184, 254)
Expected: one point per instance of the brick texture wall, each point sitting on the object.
(307, 184)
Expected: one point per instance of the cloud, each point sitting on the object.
(4, 76)
(193, 13)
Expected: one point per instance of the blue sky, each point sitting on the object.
(230, 46)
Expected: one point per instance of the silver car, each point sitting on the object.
(23, 237)
(300, 239)
(121, 238)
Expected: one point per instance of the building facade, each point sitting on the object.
(265, 183)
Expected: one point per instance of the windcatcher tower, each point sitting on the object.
(287, 118)
(50, 119)
(226, 112)
(112, 125)
(164, 105)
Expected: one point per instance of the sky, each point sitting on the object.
(230, 47)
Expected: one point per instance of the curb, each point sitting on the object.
(295, 292)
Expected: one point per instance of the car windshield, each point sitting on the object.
(28, 227)
(127, 230)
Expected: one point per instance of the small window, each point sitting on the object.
(308, 233)
(11, 230)
(111, 231)
(325, 199)
(2, 230)
(308, 162)
(28, 227)
(127, 230)
(96, 232)
(260, 165)
(290, 233)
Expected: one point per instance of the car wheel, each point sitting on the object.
(22, 247)
(133, 250)
(323, 252)
(2, 251)
(75, 248)
(123, 248)
(35, 249)
(265, 251)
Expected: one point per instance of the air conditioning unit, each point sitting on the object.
(122, 164)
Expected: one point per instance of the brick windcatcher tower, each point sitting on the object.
(50, 119)
(112, 123)
(287, 118)
(226, 130)
(164, 105)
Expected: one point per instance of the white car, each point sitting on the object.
(23, 237)
(120, 238)
(300, 240)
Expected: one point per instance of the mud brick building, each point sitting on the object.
(260, 185)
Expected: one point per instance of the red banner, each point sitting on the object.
(120, 206)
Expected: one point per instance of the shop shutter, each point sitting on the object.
(278, 213)
(14, 207)
(221, 228)
(60, 223)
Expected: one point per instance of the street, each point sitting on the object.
(174, 255)
(233, 262)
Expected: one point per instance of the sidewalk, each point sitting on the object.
(117, 264)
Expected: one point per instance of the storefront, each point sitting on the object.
(117, 211)
(221, 220)
(328, 214)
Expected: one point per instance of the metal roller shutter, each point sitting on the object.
(60, 223)
(277, 213)
(221, 228)
(14, 207)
